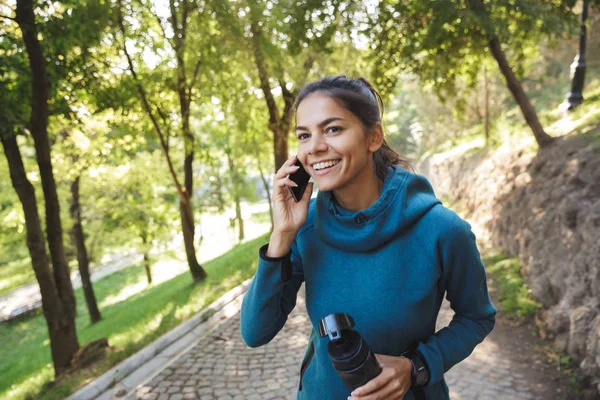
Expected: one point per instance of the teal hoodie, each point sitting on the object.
(388, 266)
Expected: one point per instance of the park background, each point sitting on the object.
(140, 139)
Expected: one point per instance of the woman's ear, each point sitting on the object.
(375, 137)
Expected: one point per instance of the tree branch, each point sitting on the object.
(284, 90)
(145, 101)
(7, 17)
(306, 67)
(149, 8)
(262, 74)
(288, 99)
(184, 20)
(193, 82)
(166, 123)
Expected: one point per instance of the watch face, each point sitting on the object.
(422, 377)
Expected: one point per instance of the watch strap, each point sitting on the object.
(420, 367)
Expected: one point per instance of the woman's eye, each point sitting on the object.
(335, 129)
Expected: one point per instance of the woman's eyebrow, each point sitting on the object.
(320, 124)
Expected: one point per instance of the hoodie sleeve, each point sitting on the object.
(271, 296)
(464, 279)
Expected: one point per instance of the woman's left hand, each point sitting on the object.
(391, 384)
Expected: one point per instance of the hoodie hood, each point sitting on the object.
(404, 199)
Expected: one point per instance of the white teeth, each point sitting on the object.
(325, 164)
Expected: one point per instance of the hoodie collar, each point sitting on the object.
(404, 198)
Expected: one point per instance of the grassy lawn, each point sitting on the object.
(261, 217)
(129, 322)
(14, 274)
(513, 293)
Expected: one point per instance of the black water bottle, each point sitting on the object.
(350, 355)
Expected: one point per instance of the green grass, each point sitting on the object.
(14, 274)
(513, 292)
(25, 365)
(511, 128)
(261, 217)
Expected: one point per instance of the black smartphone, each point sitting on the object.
(301, 177)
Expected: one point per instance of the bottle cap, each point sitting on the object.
(333, 324)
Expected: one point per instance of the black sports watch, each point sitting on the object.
(420, 372)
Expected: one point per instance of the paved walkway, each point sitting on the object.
(221, 367)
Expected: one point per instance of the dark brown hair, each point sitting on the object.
(359, 97)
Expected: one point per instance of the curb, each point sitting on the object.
(123, 378)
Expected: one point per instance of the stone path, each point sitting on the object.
(222, 367)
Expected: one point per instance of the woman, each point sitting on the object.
(375, 244)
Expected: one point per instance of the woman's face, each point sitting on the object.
(329, 133)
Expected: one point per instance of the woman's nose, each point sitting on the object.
(317, 144)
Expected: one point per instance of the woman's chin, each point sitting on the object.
(328, 182)
(324, 186)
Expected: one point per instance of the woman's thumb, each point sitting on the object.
(308, 191)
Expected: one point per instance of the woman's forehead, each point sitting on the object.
(318, 107)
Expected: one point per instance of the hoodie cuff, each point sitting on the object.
(435, 374)
(424, 361)
(286, 262)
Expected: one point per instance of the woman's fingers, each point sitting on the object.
(285, 182)
(374, 385)
(308, 191)
(284, 172)
(391, 391)
(286, 167)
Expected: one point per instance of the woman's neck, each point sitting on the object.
(360, 194)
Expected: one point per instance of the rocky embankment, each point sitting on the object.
(545, 209)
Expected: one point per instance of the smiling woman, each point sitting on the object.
(375, 244)
(338, 135)
(343, 114)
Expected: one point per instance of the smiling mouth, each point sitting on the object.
(325, 166)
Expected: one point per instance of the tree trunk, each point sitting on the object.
(61, 324)
(280, 146)
(514, 85)
(38, 127)
(236, 196)
(238, 216)
(487, 106)
(187, 224)
(279, 123)
(185, 205)
(147, 267)
(184, 94)
(542, 138)
(82, 255)
(266, 184)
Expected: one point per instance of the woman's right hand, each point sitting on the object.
(289, 215)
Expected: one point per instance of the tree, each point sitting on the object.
(38, 125)
(282, 41)
(31, 94)
(83, 259)
(142, 204)
(59, 318)
(440, 41)
(195, 49)
(250, 124)
(232, 138)
(79, 155)
(58, 298)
